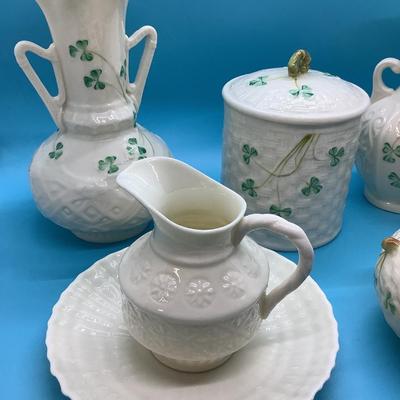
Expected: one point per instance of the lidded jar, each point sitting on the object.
(290, 138)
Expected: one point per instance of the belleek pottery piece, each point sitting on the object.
(378, 157)
(387, 281)
(290, 138)
(194, 288)
(73, 172)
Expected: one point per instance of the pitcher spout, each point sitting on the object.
(191, 211)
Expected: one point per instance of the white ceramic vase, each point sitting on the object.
(378, 157)
(387, 281)
(290, 138)
(73, 172)
(194, 289)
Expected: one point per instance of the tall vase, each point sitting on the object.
(73, 172)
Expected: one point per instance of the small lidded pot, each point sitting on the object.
(290, 138)
(387, 281)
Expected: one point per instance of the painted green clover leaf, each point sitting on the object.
(248, 152)
(389, 152)
(122, 72)
(58, 152)
(108, 164)
(260, 81)
(81, 47)
(313, 187)
(94, 80)
(282, 212)
(133, 145)
(304, 91)
(248, 186)
(335, 154)
(388, 303)
(395, 180)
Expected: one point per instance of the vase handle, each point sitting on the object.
(380, 90)
(297, 236)
(136, 88)
(53, 103)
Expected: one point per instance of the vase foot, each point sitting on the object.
(384, 205)
(110, 237)
(191, 366)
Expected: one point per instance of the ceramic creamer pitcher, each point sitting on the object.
(378, 156)
(73, 172)
(194, 289)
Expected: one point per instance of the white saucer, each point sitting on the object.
(94, 358)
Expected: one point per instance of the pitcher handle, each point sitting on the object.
(53, 103)
(136, 88)
(379, 89)
(297, 236)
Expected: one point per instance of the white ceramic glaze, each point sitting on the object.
(387, 281)
(194, 288)
(94, 357)
(378, 157)
(73, 172)
(289, 145)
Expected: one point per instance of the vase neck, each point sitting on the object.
(90, 41)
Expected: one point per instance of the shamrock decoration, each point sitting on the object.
(335, 154)
(108, 163)
(131, 148)
(248, 186)
(57, 153)
(94, 80)
(282, 212)
(122, 72)
(81, 46)
(389, 152)
(395, 180)
(305, 91)
(314, 186)
(260, 81)
(248, 152)
(388, 303)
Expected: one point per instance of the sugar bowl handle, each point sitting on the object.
(297, 236)
(150, 34)
(380, 90)
(53, 103)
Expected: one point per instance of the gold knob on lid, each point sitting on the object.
(390, 244)
(299, 63)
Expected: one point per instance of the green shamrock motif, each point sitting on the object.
(81, 47)
(133, 145)
(389, 152)
(281, 212)
(313, 187)
(108, 164)
(388, 303)
(260, 81)
(248, 186)
(58, 152)
(335, 154)
(94, 80)
(395, 180)
(122, 72)
(304, 91)
(248, 152)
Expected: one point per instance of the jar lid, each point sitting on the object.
(296, 95)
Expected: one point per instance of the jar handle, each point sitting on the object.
(297, 236)
(53, 103)
(379, 89)
(136, 88)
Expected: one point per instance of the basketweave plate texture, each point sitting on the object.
(94, 358)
